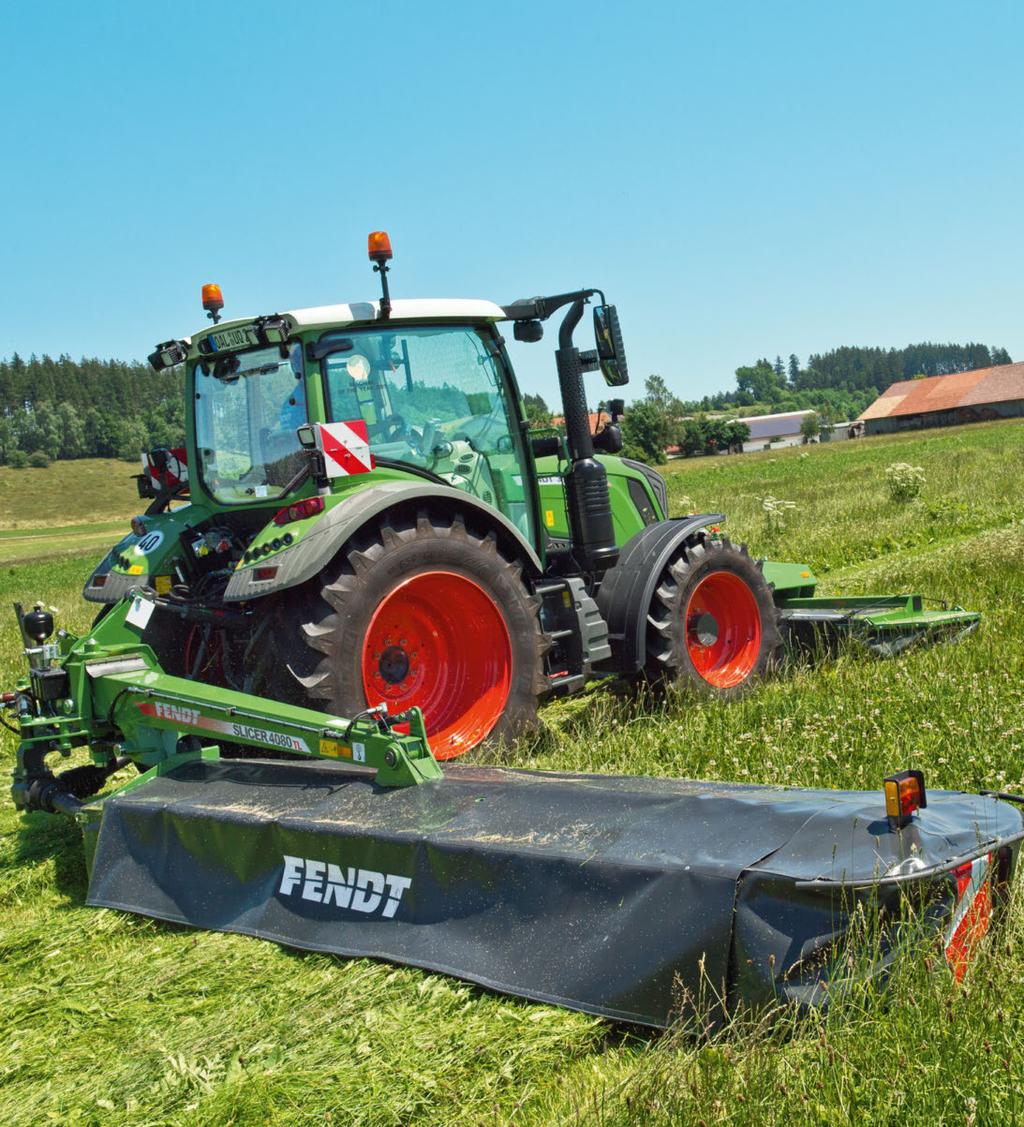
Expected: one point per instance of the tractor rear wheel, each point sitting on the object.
(712, 622)
(425, 612)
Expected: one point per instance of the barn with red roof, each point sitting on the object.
(940, 401)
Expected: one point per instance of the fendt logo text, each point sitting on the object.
(360, 890)
(176, 712)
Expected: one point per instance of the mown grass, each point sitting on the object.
(107, 1018)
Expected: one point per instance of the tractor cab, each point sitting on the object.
(432, 400)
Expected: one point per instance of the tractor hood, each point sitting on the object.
(616, 896)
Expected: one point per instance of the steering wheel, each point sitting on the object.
(394, 428)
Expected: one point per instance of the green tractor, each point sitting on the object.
(362, 516)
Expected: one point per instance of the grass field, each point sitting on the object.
(67, 494)
(106, 1018)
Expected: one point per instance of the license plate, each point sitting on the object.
(229, 339)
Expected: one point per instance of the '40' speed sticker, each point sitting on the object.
(149, 543)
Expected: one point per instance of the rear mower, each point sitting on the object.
(624, 897)
(361, 515)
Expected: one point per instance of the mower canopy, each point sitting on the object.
(619, 896)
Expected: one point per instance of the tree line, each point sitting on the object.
(92, 408)
(837, 386)
(86, 408)
(840, 383)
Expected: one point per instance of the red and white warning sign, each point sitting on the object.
(166, 468)
(345, 447)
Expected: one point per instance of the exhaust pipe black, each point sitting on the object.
(586, 483)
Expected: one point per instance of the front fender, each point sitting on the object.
(339, 524)
(627, 589)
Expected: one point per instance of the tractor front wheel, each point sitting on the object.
(712, 622)
(428, 613)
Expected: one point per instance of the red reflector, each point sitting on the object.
(99, 580)
(910, 796)
(264, 573)
(300, 510)
(972, 915)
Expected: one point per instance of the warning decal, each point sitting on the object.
(345, 447)
(166, 468)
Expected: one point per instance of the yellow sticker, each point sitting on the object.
(335, 749)
(549, 517)
(135, 569)
(162, 583)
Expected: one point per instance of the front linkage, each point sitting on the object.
(107, 691)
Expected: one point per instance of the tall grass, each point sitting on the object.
(106, 1018)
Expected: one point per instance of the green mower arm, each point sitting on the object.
(112, 695)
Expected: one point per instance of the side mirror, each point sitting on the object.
(608, 439)
(616, 408)
(610, 350)
(528, 331)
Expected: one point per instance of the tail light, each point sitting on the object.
(300, 510)
(904, 793)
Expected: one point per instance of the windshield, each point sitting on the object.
(248, 406)
(432, 398)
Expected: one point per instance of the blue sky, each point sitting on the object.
(743, 179)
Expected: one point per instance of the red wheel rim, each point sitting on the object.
(438, 642)
(723, 629)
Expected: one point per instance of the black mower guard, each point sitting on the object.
(616, 896)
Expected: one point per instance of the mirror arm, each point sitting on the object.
(569, 323)
(541, 308)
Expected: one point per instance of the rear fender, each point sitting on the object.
(135, 561)
(626, 591)
(339, 524)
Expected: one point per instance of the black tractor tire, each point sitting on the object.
(712, 623)
(474, 646)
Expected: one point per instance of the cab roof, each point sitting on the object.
(425, 310)
(402, 309)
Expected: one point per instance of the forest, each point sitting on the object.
(840, 383)
(91, 408)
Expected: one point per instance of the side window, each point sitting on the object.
(433, 398)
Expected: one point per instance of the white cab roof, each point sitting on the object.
(402, 309)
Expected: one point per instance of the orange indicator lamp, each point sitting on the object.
(378, 246)
(213, 301)
(904, 793)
